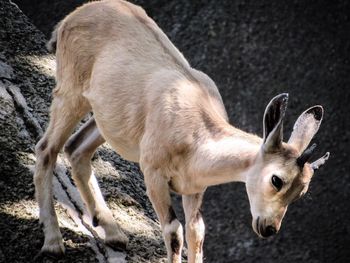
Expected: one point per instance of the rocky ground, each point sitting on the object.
(253, 50)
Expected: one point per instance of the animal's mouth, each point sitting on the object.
(262, 230)
(257, 227)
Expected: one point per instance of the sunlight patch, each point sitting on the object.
(24, 209)
(46, 63)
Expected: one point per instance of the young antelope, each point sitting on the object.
(152, 107)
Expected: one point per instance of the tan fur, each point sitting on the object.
(152, 108)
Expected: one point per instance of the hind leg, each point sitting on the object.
(65, 114)
(79, 149)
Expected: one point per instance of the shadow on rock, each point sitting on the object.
(21, 240)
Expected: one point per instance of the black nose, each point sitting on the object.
(269, 231)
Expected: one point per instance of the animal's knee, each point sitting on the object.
(175, 243)
(41, 146)
(196, 224)
(45, 154)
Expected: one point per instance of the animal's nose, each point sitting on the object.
(269, 231)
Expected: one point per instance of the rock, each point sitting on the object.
(6, 72)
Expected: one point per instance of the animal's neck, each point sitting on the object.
(226, 159)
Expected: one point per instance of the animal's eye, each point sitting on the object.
(276, 182)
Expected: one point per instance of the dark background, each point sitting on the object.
(254, 50)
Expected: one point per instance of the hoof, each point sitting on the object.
(55, 251)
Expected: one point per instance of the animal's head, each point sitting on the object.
(281, 172)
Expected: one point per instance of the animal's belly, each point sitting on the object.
(118, 127)
(121, 138)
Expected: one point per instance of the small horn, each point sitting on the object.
(316, 164)
(306, 155)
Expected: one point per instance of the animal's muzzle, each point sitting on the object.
(262, 229)
(268, 231)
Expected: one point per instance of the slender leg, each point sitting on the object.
(158, 193)
(80, 148)
(195, 228)
(63, 118)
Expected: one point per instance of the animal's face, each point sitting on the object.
(280, 173)
(275, 181)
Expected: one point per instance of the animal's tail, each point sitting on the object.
(52, 43)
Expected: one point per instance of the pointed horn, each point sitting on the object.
(316, 164)
(306, 155)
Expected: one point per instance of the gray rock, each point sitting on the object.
(6, 72)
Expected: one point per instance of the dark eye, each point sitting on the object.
(276, 182)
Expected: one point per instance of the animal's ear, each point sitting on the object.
(306, 127)
(273, 122)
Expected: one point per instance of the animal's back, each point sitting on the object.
(124, 64)
(117, 29)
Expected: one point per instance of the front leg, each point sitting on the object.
(195, 228)
(158, 193)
